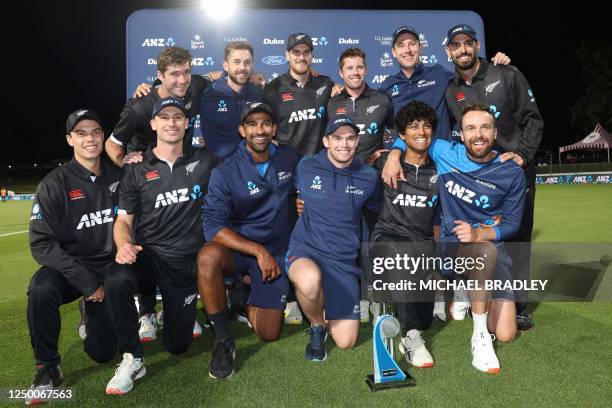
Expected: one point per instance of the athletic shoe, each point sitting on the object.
(223, 356)
(483, 354)
(438, 311)
(364, 309)
(293, 314)
(375, 310)
(413, 348)
(45, 380)
(315, 349)
(148, 329)
(523, 320)
(82, 326)
(197, 330)
(128, 371)
(458, 310)
(243, 318)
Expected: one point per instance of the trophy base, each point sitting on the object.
(407, 382)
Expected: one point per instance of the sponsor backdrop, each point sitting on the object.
(582, 178)
(149, 31)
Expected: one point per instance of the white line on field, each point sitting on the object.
(12, 233)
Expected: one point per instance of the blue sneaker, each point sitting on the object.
(315, 349)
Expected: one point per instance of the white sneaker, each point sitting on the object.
(458, 310)
(129, 370)
(483, 354)
(413, 348)
(375, 310)
(197, 330)
(293, 314)
(148, 328)
(438, 311)
(364, 309)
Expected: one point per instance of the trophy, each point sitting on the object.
(387, 374)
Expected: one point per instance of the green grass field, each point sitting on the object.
(566, 360)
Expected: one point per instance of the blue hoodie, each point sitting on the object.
(220, 110)
(427, 84)
(333, 200)
(250, 204)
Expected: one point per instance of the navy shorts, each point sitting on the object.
(267, 295)
(503, 266)
(341, 290)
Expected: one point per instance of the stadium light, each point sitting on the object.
(10, 167)
(219, 10)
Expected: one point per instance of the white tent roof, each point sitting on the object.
(596, 140)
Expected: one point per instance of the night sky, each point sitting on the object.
(71, 54)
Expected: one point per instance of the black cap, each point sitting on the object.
(299, 38)
(461, 29)
(402, 30)
(79, 115)
(254, 107)
(170, 101)
(338, 122)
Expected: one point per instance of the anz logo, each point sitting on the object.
(172, 197)
(410, 200)
(158, 42)
(373, 129)
(494, 111)
(379, 79)
(306, 114)
(319, 41)
(253, 189)
(89, 220)
(197, 61)
(467, 195)
(222, 106)
(316, 183)
(395, 90)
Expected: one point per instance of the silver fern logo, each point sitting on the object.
(113, 187)
(321, 90)
(491, 87)
(191, 167)
(371, 109)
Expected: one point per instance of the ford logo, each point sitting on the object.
(274, 60)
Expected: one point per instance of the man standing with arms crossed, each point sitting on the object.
(506, 91)
(246, 225)
(165, 191)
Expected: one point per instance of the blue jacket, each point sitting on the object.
(220, 110)
(252, 205)
(427, 84)
(486, 195)
(333, 200)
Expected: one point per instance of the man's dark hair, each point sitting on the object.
(415, 110)
(477, 107)
(350, 53)
(172, 56)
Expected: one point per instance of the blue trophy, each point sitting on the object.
(387, 374)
